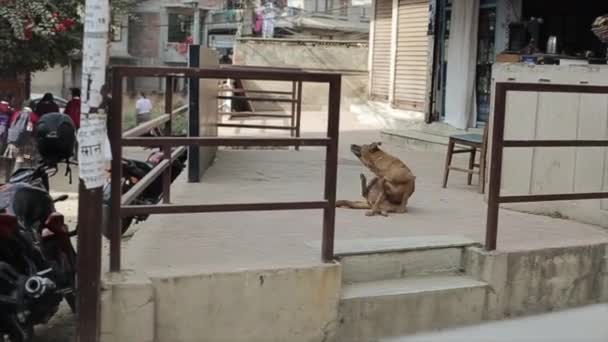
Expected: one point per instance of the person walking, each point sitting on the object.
(46, 105)
(72, 109)
(143, 108)
(6, 112)
(21, 142)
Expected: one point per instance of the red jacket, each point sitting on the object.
(72, 109)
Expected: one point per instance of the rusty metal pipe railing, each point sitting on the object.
(154, 123)
(225, 141)
(242, 94)
(89, 264)
(231, 207)
(121, 204)
(150, 177)
(499, 143)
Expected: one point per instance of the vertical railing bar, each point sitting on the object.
(498, 128)
(293, 108)
(331, 170)
(167, 175)
(169, 104)
(299, 112)
(116, 172)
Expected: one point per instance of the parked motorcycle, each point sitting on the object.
(37, 259)
(134, 171)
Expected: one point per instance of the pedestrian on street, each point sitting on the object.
(143, 108)
(72, 109)
(46, 105)
(6, 112)
(21, 142)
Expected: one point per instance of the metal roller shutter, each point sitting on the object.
(381, 55)
(411, 69)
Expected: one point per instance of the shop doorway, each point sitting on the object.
(484, 59)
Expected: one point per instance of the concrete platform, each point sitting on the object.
(224, 276)
(237, 241)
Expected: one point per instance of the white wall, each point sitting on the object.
(50, 81)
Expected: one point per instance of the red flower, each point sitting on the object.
(28, 30)
(68, 23)
(60, 28)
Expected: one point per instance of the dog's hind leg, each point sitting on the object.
(353, 204)
(402, 207)
(375, 210)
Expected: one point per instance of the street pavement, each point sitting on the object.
(586, 324)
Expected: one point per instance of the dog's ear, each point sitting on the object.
(374, 146)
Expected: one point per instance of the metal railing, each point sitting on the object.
(121, 204)
(499, 143)
(293, 98)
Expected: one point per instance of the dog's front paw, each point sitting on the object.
(362, 177)
(370, 213)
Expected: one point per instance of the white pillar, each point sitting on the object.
(196, 29)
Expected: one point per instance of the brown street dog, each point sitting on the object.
(392, 187)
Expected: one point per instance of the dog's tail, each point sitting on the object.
(353, 204)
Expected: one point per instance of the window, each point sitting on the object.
(116, 30)
(180, 27)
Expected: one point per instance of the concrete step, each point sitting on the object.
(393, 258)
(386, 308)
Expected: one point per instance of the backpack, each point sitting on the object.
(21, 130)
(55, 137)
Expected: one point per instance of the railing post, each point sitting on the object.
(194, 130)
(116, 172)
(498, 129)
(167, 175)
(169, 104)
(299, 112)
(293, 108)
(331, 169)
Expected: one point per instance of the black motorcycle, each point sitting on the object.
(37, 259)
(134, 171)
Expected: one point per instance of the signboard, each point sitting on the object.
(362, 2)
(221, 41)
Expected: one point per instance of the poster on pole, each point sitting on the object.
(93, 150)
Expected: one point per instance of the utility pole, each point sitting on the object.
(93, 153)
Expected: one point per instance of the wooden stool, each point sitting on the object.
(474, 142)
